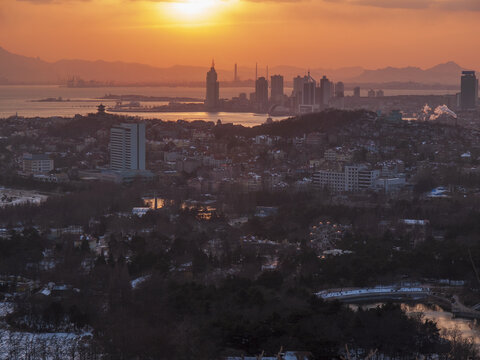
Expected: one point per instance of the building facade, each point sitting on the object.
(37, 164)
(353, 178)
(127, 147)
(469, 90)
(276, 82)
(261, 93)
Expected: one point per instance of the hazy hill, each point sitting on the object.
(17, 69)
(448, 73)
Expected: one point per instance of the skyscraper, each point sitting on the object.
(235, 75)
(298, 84)
(261, 93)
(308, 95)
(356, 92)
(213, 89)
(339, 89)
(326, 90)
(469, 90)
(127, 147)
(276, 82)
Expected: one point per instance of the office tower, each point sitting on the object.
(380, 93)
(371, 93)
(276, 83)
(308, 94)
(356, 92)
(261, 93)
(469, 90)
(339, 89)
(235, 75)
(326, 90)
(213, 89)
(127, 147)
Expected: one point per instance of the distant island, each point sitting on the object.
(51, 99)
(148, 98)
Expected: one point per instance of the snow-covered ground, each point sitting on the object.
(17, 345)
(20, 197)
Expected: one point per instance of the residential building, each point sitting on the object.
(469, 90)
(353, 178)
(261, 93)
(276, 91)
(37, 163)
(127, 147)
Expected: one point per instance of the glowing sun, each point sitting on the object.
(195, 9)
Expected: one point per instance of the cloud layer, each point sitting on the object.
(452, 5)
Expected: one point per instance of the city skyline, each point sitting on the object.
(350, 33)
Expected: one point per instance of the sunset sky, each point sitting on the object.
(308, 33)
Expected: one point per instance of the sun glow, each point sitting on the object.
(195, 9)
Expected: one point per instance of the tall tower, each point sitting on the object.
(326, 90)
(469, 90)
(127, 147)
(261, 93)
(213, 89)
(276, 85)
(235, 74)
(308, 95)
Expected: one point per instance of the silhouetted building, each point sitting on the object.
(213, 89)
(235, 75)
(298, 88)
(469, 90)
(356, 92)
(127, 147)
(371, 93)
(298, 84)
(308, 94)
(101, 109)
(276, 83)
(261, 93)
(339, 89)
(325, 90)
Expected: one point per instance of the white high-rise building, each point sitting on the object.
(353, 178)
(127, 147)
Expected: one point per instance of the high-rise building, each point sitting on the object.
(356, 92)
(339, 89)
(261, 93)
(235, 75)
(326, 90)
(308, 94)
(127, 147)
(469, 90)
(276, 83)
(213, 89)
(298, 84)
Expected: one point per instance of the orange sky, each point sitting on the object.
(306, 33)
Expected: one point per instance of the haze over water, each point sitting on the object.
(18, 99)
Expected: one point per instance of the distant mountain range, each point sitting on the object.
(18, 69)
